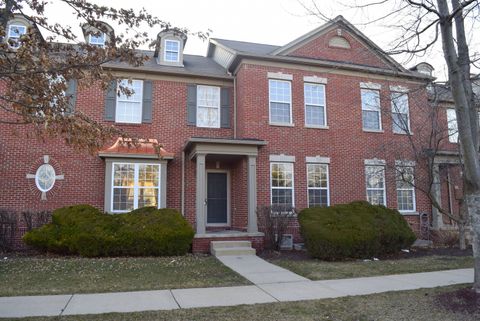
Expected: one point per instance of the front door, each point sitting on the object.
(217, 198)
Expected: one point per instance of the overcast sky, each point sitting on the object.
(274, 22)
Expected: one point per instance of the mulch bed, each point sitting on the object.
(413, 253)
(464, 300)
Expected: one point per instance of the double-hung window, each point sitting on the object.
(172, 50)
(14, 34)
(280, 93)
(375, 183)
(317, 182)
(281, 182)
(97, 39)
(129, 107)
(208, 106)
(135, 185)
(405, 188)
(315, 112)
(400, 113)
(371, 117)
(452, 126)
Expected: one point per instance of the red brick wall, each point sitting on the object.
(318, 48)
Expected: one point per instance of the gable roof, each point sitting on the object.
(246, 47)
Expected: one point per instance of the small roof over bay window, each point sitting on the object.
(144, 148)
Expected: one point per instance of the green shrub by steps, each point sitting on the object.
(84, 230)
(355, 230)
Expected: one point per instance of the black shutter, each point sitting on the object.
(225, 107)
(192, 104)
(147, 101)
(111, 101)
(71, 94)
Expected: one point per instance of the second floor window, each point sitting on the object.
(280, 93)
(400, 113)
(452, 126)
(371, 110)
(14, 34)
(97, 39)
(208, 106)
(129, 108)
(172, 50)
(375, 182)
(315, 105)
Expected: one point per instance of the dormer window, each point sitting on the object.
(97, 39)
(172, 50)
(14, 34)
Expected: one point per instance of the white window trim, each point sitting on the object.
(135, 185)
(97, 43)
(18, 26)
(376, 189)
(279, 187)
(395, 111)
(380, 128)
(410, 188)
(219, 106)
(166, 51)
(281, 102)
(118, 99)
(319, 188)
(325, 123)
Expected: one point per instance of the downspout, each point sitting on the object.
(234, 105)
(183, 184)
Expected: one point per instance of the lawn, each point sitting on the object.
(321, 270)
(59, 275)
(417, 305)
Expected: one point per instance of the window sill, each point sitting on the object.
(406, 134)
(281, 125)
(207, 127)
(128, 124)
(316, 127)
(373, 130)
(415, 213)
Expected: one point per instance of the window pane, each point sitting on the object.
(317, 175)
(314, 94)
(148, 175)
(208, 117)
(399, 103)
(375, 176)
(280, 91)
(282, 175)
(129, 112)
(282, 197)
(315, 115)
(400, 123)
(370, 99)
(452, 126)
(123, 174)
(371, 119)
(147, 197)
(280, 113)
(171, 45)
(135, 87)
(317, 197)
(375, 197)
(208, 106)
(123, 199)
(15, 31)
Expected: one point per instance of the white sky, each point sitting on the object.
(274, 22)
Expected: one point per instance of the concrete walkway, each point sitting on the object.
(54, 305)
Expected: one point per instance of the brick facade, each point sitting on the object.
(344, 141)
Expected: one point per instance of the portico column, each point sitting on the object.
(252, 194)
(200, 194)
(437, 217)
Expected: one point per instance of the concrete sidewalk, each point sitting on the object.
(54, 305)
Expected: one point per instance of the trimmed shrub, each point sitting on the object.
(355, 230)
(84, 230)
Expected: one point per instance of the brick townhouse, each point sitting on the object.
(304, 124)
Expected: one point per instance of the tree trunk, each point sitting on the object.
(473, 205)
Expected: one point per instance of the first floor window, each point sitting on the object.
(375, 180)
(317, 180)
(135, 185)
(129, 107)
(280, 93)
(371, 109)
(208, 106)
(282, 184)
(314, 105)
(405, 188)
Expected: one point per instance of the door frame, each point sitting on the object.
(226, 171)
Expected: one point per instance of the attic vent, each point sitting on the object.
(339, 42)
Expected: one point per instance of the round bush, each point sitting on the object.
(84, 230)
(355, 230)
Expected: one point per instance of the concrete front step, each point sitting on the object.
(223, 248)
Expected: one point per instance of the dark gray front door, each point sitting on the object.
(217, 198)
